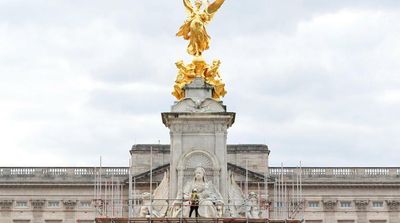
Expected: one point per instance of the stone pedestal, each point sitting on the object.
(198, 127)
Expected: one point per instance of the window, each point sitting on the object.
(53, 204)
(21, 204)
(345, 204)
(278, 204)
(313, 204)
(377, 204)
(86, 204)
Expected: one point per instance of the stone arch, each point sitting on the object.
(199, 158)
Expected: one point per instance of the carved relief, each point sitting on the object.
(198, 160)
(38, 204)
(220, 128)
(69, 204)
(190, 105)
(6, 204)
(361, 204)
(393, 204)
(197, 127)
(329, 205)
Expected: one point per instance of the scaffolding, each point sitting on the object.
(279, 195)
(108, 194)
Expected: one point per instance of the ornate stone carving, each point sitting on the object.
(236, 200)
(197, 128)
(197, 160)
(38, 204)
(361, 204)
(158, 203)
(329, 205)
(393, 204)
(6, 204)
(253, 210)
(69, 204)
(190, 105)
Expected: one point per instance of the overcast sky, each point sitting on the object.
(316, 80)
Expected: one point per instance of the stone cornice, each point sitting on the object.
(231, 148)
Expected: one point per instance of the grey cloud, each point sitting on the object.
(91, 78)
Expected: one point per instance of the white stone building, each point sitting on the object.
(331, 194)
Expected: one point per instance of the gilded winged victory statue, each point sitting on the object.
(194, 30)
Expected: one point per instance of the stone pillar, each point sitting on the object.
(69, 206)
(393, 206)
(329, 210)
(5, 210)
(38, 206)
(361, 206)
(175, 151)
(198, 129)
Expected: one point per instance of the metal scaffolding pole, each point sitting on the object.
(130, 190)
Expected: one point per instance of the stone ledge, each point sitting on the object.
(231, 148)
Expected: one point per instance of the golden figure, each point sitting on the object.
(213, 78)
(185, 76)
(198, 68)
(194, 28)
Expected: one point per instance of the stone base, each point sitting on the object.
(191, 220)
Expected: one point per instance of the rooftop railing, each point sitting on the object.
(62, 171)
(336, 171)
(308, 172)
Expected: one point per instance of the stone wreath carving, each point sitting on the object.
(329, 205)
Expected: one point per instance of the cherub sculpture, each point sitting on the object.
(212, 77)
(186, 74)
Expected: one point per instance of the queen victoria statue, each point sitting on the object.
(210, 200)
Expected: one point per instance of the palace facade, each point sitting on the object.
(328, 194)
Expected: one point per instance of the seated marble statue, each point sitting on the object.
(210, 200)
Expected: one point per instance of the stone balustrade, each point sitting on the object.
(307, 172)
(317, 172)
(61, 171)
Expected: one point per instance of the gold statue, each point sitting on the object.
(185, 76)
(198, 68)
(194, 28)
(213, 78)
